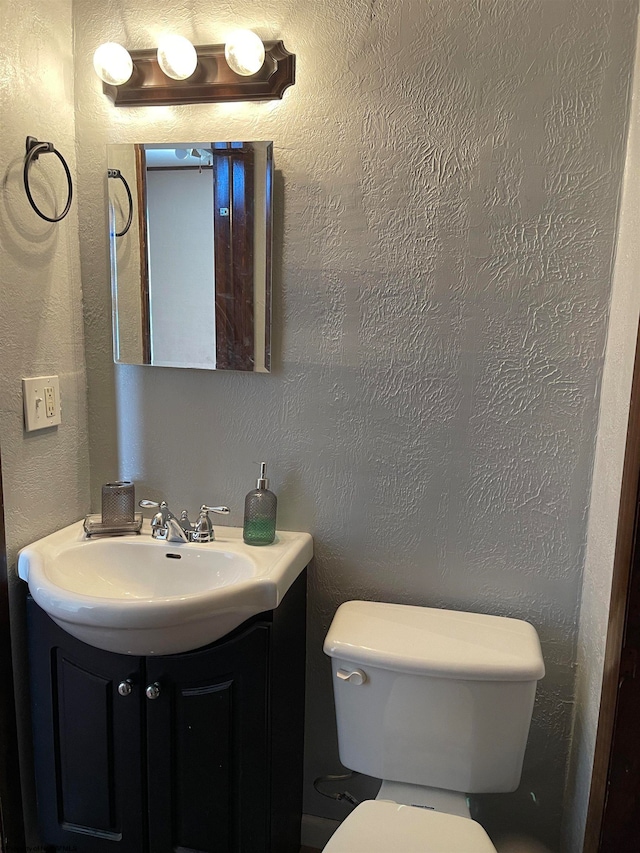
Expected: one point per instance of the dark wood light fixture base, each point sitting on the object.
(212, 82)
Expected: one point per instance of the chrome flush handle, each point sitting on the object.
(355, 676)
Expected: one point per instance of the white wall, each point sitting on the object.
(41, 328)
(45, 474)
(607, 480)
(445, 232)
(182, 306)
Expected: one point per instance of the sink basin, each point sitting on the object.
(141, 596)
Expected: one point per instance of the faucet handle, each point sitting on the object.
(203, 529)
(159, 520)
(145, 504)
(221, 510)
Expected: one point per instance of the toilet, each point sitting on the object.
(437, 704)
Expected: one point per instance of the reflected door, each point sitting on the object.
(234, 255)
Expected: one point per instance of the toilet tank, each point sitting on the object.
(433, 697)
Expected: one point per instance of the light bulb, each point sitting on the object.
(112, 63)
(177, 57)
(244, 52)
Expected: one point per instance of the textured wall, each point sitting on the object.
(41, 327)
(45, 474)
(605, 491)
(445, 231)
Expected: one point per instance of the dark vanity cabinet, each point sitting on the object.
(194, 753)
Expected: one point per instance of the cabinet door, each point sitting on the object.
(207, 748)
(87, 742)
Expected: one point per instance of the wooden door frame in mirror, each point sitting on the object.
(145, 307)
(11, 819)
(233, 239)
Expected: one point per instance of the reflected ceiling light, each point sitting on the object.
(112, 63)
(244, 52)
(177, 57)
(203, 154)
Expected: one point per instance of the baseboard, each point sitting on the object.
(316, 831)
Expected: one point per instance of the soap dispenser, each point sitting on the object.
(260, 507)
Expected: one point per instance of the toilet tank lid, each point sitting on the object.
(430, 641)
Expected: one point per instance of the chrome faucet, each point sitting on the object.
(165, 525)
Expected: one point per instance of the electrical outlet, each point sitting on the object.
(49, 401)
(41, 397)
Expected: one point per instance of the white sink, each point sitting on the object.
(141, 596)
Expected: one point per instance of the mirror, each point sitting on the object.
(190, 249)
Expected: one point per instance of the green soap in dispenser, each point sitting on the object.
(260, 508)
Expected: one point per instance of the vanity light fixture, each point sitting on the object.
(243, 69)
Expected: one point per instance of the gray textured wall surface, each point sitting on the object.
(46, 473)
(41, 326)
(605, 492)
(448, 179)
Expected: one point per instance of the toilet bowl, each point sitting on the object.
(437, 704)
(379, 826)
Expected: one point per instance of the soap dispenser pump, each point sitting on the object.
(260, 507)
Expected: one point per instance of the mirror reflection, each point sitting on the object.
(190, 248)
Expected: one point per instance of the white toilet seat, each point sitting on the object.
(378, 826)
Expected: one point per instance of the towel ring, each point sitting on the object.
(116, 173)
(34, 150)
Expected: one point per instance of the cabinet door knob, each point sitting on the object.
(125, 687)
(153, 690)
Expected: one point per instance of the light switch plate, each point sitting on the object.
(41, 397)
